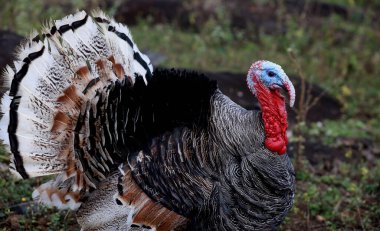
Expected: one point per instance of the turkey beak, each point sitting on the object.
(289, 88)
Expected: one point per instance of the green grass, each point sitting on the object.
(346, 200)
(342, 55)
(329, 131)
(18, 193)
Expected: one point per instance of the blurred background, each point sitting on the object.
(329, 48)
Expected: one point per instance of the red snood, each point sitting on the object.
(274, 116)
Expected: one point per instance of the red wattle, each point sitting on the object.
(274, 117)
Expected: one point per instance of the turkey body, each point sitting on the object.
(135, 148)
(201, 155)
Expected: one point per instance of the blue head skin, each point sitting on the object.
(271, 76)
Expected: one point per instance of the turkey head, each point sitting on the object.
(266, 80)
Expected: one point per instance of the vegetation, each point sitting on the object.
(340, 190)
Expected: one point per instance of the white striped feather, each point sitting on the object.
(47, 77)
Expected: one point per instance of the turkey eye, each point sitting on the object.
(271, 74)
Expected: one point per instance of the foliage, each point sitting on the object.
(329, 131)
(347, 200)
(17, 209)
(23, 16)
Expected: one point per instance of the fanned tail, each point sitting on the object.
(59, 73)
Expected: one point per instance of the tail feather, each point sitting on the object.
(58, 75)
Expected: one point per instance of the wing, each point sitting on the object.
(173, 172)
(101, 212)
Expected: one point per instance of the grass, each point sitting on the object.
(340, 54)
(16, 196)
(346, 200)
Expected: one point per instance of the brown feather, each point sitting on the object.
(83, 72)
(150, 212)
(119, 71)
(61, 122)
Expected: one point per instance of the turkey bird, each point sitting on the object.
(136, 149)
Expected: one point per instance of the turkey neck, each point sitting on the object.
(231, 124)
(239, 131)
(274, 117)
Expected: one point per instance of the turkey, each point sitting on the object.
(137, 149)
